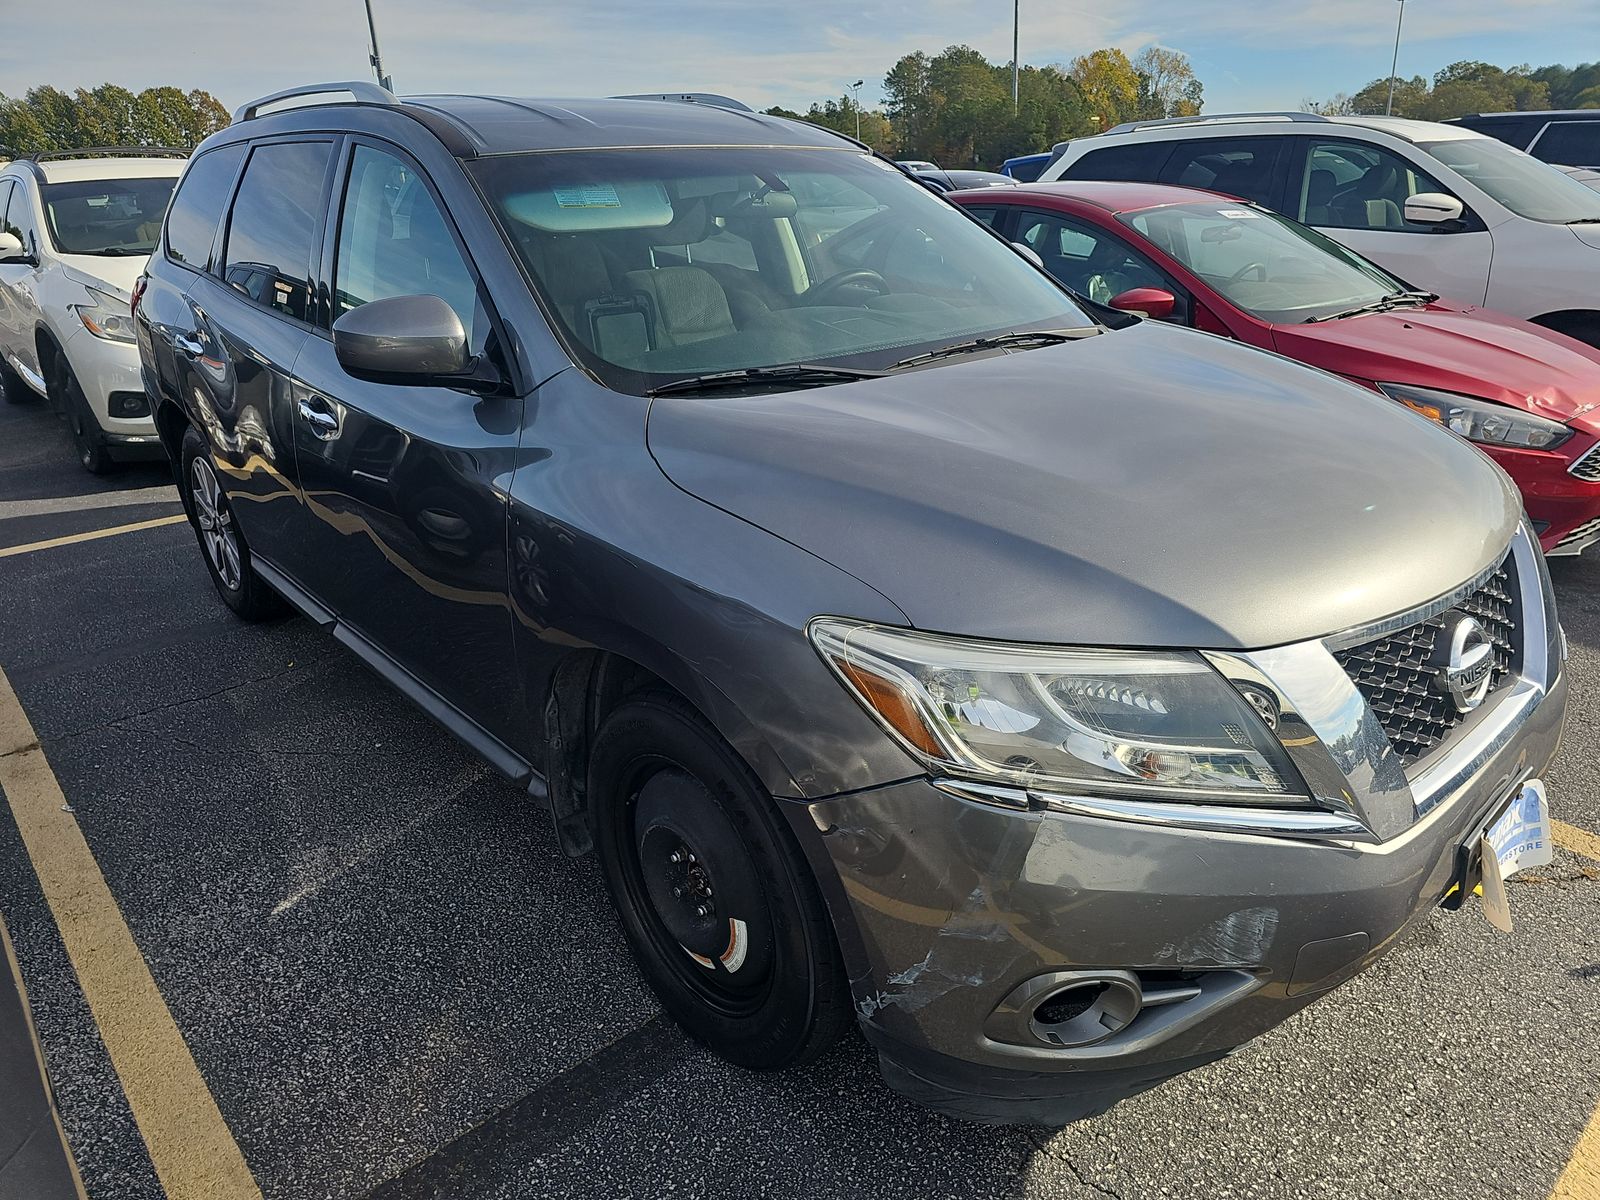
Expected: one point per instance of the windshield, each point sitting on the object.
(661, 264)
(1521, 182)
(107, 216)
(1265, 264)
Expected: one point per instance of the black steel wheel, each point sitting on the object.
(716, 899)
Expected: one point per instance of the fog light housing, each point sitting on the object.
(124, 405)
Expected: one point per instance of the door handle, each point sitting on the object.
(320, 419)
(188, 345)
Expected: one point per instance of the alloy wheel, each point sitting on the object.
(217, 534)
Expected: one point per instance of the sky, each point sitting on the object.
(1249, 55)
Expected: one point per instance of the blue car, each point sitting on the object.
(1026, 168)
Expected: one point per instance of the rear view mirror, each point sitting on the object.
(1433, 208)
(11, 248)
(405, 339)
(1154, 303)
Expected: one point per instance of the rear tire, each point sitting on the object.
(718, 903)
(222, 544)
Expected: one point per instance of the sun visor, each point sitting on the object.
(592, 207)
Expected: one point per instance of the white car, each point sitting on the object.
(1440, 206)
(75, 233)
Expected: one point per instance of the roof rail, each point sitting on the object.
(708, 98)
(1130, 126)
(109, 152)
(361, 92)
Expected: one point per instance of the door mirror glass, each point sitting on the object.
(403, 339)
(1433, 208)
(1154, 303)
(11, 248)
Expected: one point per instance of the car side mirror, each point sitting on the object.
(1434, 208)
(1029, 253)
(417, 340)
(1155, 304)
(11, 249)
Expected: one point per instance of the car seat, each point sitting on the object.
(1319, 197)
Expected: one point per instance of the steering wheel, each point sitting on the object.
(859, 278)
(1259, 268)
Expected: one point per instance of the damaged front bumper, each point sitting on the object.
(1041, 961)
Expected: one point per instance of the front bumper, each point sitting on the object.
(953, 912)
(102, 367)
(1565, 507)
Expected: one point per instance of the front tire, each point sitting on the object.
(11, 385)
(222, 544)
(88, 439)
(719, 905)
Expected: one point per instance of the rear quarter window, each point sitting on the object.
(1137, 162)
(197, 208)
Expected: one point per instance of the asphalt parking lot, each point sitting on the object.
(392, 983)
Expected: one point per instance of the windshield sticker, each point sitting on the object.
(1238, 214)
(588, 195)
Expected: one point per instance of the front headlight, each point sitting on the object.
(1481, 421)
(1042, 718)
(106, 316)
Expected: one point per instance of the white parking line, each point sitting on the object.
(165, 494)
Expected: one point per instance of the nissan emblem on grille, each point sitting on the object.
(1463, 661)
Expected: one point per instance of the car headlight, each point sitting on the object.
(1043, 718)
(106, 316)
(1481, 421)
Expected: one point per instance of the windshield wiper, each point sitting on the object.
(1000, 341)
(111, 252)
(800, 375)
(1391, 301)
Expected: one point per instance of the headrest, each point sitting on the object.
(1321, 188)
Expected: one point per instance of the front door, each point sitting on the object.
(19, 301)
(1356, 192)
(405, 485)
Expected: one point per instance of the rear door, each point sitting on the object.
(406, 485)
(248, 318)
(1569, 144)
(1355, 192)
(1251, 168)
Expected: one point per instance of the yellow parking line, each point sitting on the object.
(8, 551)
(190, 1145)
(1581, 1179)
(1579, 841)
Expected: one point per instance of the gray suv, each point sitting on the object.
(1061, 698)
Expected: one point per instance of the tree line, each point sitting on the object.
(48, 119)
(1473, 87)
(955, 107)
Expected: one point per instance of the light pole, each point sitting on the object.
(856, 88)
(1016, 61)
(377, 59)
(1394, 67)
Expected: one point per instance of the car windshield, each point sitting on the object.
(1521, 182)
(1267, 265)
(107, 216)
(664, 264)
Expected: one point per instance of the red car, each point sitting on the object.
(1528, 396)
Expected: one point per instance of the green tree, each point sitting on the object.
(1167, 85)
(1109, 84)
(48, 119)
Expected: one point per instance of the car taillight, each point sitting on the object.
(138, 293)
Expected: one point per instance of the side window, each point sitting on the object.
(5, 197)
(1242, 167)
(393, 241)
(1353, 185)
(273, 228)
(197, 208)
(1091, 261)
(1570, 143)
(1137, 162)
(19, 217)
(989, 216)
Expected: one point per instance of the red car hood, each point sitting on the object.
(1458, 349)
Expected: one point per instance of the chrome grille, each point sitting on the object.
(1394, 674)
(1588, 467)
(1580, 537)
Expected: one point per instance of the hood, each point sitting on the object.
(1147, 487)
(96, 270)
(1589, 232)
(1458, 349)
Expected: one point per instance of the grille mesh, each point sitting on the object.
(1394, 675)
(1588, 467)
(1579, 535)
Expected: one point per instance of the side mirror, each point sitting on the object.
(1029, 253)
(1153, 303)
(1434, 208)
(11, 248)
(406, 339)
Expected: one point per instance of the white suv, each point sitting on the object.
(75, 232)
(1440, 206)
